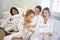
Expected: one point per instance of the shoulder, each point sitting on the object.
(51, 21)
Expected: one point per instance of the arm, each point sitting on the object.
(16, 38)
(28, 25)
(47, 33)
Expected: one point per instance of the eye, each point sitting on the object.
(30, 16)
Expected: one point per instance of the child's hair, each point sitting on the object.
(14, 9)
(39, 7)
(47, 10)
(30, 11)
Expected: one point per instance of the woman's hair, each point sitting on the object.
(47, 9)
(30, 11)
(14, 9)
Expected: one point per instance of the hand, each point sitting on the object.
(47, 33)
(43, 33)
(32, 31)
(16, 38)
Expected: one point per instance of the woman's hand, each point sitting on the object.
(28, 25)
(16, 38)
(47, 33)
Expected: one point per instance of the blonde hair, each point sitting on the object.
(30, 11)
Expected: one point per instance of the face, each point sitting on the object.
(30, 17)
(46, 14)
(37, 11)
(14, 11)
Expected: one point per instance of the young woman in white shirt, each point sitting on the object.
(47, 24)
(10, 23)
(45, 27)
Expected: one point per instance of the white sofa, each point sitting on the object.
(56, 33)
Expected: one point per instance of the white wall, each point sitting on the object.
(7, 4)
(31, 3)
(1, 8)
(20, 3)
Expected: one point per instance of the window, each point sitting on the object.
(45, 3)
(56, 5)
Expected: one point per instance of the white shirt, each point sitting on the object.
(21, 30)
(13, 23)
(36, 20)
(46, 27)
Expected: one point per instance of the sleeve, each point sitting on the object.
(33, 21)
(52, 26)
(15, 24)
(20, 26)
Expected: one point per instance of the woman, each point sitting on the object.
(10, 23)
(24, 28)
(45, 27)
